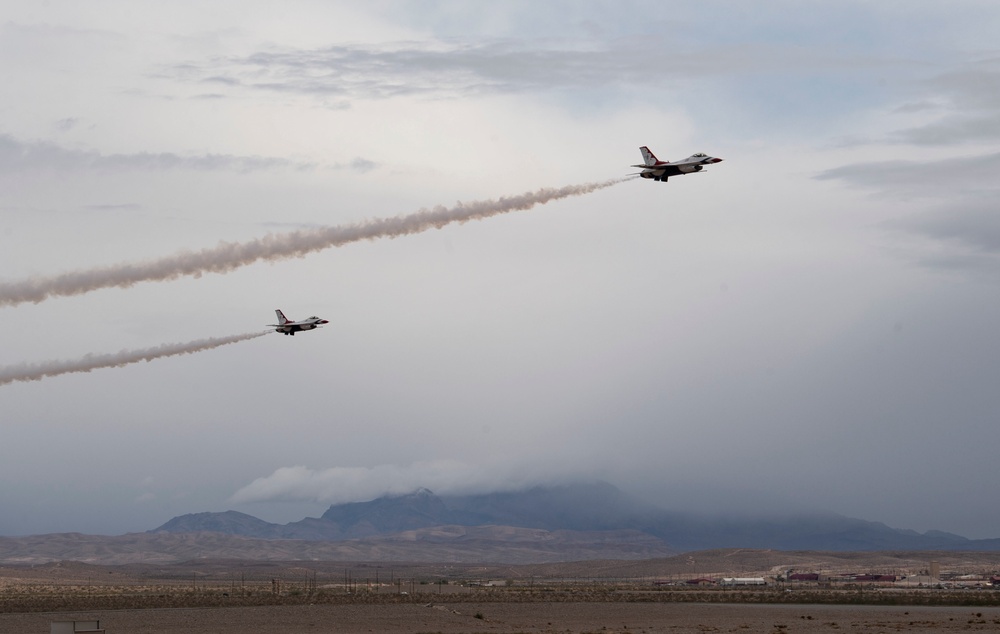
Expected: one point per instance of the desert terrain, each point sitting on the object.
(560, 617)
(230, 596)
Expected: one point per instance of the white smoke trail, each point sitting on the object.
(39, 371)
(228, 256)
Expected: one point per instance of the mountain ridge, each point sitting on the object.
(569, 523)
(582, 507)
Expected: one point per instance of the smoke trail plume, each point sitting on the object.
(39, 371)
(228, 256)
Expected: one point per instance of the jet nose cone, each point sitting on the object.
(324, 321)
(716, 160)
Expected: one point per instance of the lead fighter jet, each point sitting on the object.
(291, 327)
(661, 170)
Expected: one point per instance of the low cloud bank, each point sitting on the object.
(338, 485)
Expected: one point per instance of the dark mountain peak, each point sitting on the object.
(389, 514)
(228, 522)
(416, 496)
(580, 506)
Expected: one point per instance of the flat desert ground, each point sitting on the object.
(560, 617)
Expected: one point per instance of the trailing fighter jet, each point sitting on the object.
(291, 327)
(661, 170)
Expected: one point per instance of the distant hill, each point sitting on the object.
(541, 525)
(228, 522)
(582, 508)
(442, 544)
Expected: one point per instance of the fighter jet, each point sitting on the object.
(661, 170)
(291, 327)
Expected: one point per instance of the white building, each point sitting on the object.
(743, 581)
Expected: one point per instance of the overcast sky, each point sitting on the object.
(809, 325)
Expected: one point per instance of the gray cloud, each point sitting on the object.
(18, 156)
(114, 207)
(973, 87)
(966, 175)
(350, 484)
(953, 129)
(964, 232)
(974, 108)
(963, 238)
(498, 66)
(975, 228)
(363, 165)
(67, 124)
(917, 106)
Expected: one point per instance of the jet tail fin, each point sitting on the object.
(281, 317)
(648, 157)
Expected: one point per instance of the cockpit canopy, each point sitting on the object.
(700, 154)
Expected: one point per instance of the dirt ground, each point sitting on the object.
(562, 618)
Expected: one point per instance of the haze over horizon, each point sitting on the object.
(808, 325)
